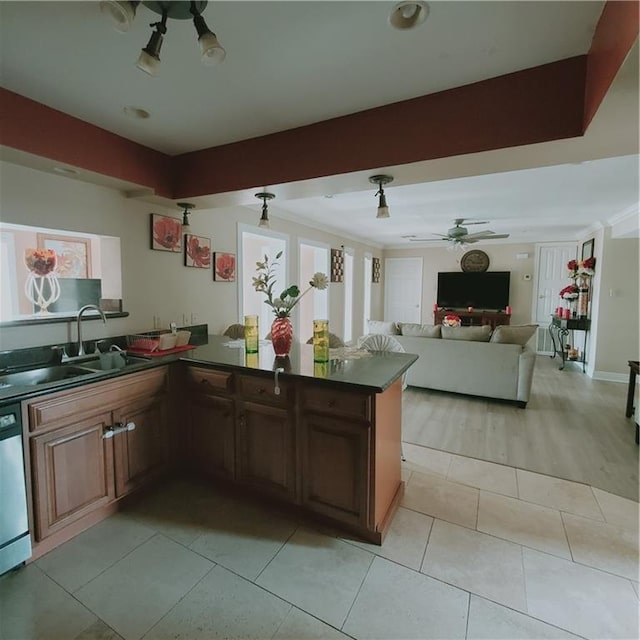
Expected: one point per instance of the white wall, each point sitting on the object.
(502, 258)
(155, 283)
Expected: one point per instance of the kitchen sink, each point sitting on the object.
(112, 360)
(43, 375)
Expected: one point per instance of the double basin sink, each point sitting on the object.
(83, 367)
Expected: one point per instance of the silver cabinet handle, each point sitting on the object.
(119, 428)
(276, 389)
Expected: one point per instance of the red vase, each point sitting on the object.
(281, 336)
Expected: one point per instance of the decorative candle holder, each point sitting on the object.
(41, 286)
(251, 334)
(321, 341)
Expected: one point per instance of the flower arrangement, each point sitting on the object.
(451, 320)
(40, 262)
(578, 268)
(570, 292)
(289, 298)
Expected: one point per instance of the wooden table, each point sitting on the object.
(634, 365)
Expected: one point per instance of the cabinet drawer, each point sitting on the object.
(329, 400)
(210, 380)
(262, 389)
(57, 409)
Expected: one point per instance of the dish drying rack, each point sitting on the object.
(142, 342)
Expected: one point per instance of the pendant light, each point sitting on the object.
(186, 206)
(380, 180)
(264, 218)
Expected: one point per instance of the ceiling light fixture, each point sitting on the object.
(380, 180)
(122, 15)
(264, 218)
(187, 206)
(408, 14)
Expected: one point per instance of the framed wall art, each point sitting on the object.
(166, 233)
(224, 267)
(375, 270)
(73, 254)
(197, 251)
(337, 265)
(587, 249)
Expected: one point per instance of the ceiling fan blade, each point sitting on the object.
(443, 239)
(485, 235)
(479, 222)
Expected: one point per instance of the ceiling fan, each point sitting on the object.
(459, 235)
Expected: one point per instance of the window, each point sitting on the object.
(254, 245)
(368, 262)
(348, 294)
(313, 257)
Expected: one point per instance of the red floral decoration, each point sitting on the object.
(166, 232)
(589, 263)
(42, 262)
(572, 265)
(200, 254)
(451, 320)
(225, 266)
(570, 292)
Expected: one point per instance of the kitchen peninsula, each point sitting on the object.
(325, 437)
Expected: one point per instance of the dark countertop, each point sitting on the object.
(373, 372)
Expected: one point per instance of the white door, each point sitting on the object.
(403, 289)
(551, 276)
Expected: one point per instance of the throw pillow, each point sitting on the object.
(476, 334)
(521, 334)
(419, 330)
(384, 328)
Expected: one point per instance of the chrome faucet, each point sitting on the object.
(81, 351)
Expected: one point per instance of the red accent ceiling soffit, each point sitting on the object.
(615, 34)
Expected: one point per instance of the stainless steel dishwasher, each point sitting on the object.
(15, 542)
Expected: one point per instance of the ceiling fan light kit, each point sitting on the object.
(459, 236)
(383, 208)
(122, 15)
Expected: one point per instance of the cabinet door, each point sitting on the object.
(266, 449)
(141, 442)
(212, 435)
(335, 467)
(72, 470)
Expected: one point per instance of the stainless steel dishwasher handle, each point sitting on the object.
(276, 388)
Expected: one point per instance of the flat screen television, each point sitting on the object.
(486, 291)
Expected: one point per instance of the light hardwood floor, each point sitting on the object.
(573, 428)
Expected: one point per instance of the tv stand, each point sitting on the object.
(474, 318)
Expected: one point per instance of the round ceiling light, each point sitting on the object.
(408, 14)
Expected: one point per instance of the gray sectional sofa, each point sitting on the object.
(469, 360)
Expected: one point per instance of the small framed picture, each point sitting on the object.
(197, 251)
(224, 267)
(587, 249)
(166, 233)
(73, 254)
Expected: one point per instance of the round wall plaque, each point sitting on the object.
(474, 260)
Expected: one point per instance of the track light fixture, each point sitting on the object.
(122, 14)
(264, 218)
(186, 206)
(380, 180)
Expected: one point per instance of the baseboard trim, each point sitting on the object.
(609, 376)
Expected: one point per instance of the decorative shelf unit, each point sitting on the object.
(559, 329)
(474, 318)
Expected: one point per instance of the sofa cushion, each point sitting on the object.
(384, 328)
(419, 330)
(519, 334)
(476, 334)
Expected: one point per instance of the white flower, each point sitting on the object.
(278, 303)
(319, 281)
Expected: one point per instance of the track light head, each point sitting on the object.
(186, 206)
(121, 13)
(149, 58)
(212, 51)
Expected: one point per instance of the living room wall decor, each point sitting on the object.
(337, 265)
(375, 270)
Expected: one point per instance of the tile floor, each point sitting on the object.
(477, 551)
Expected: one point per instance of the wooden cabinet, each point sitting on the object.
(82, 455)
(265, 436)
(141, 443)
(335, 466)
(72, 471)
(474, 318)
(211, 430)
